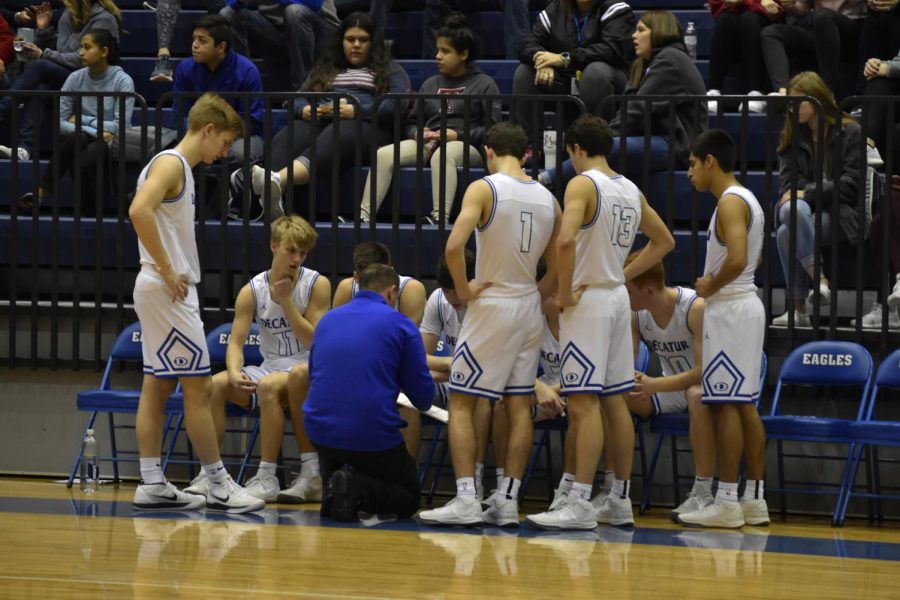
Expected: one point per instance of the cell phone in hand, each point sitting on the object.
(26, 34)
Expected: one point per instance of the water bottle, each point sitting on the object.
(690, 40)
(549, 149)
(90, 471)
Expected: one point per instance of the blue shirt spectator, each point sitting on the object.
(363, 354)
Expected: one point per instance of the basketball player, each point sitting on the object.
(286, 301)
(411, 302)
(603, 213)
(733, 332)
(670, 321)
(166, 302)
(499, 346)
(444, 314)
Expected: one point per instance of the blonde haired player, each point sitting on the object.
(166, 302)
(286, 301)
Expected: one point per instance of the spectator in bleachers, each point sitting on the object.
(882, 74)
(576, 46)
(355, 64)
(813, 39)
(166, 18)
(458, 49)
(101, 74)
(884, 80)
(741, 21)
(7, 53)
(515, 20)
(302, 28)
(215, 67)
(797, 156)
(50, 67)
(662, 67)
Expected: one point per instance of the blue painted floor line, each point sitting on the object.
(750, 539)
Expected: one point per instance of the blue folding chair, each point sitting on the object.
(677, 425)
(217, 342)
(106, 399)
(868, 434)
(827, 364)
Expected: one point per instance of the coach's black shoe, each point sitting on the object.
(345, 495)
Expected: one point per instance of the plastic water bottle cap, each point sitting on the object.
(89, 432)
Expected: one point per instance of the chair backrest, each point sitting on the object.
(642, 362)
(825, 363)
(217, 341)
(128, 344)
(888, 376)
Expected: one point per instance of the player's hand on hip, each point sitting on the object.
(474, 290)
(703, 286)
(176, 282)
(564, 300)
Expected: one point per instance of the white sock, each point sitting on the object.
(309, 464)
(501, 473)
(608, 478)
(620, 489)
(216, 472)
(727, 492)
(479, 475)
(565, 483)
(703, 485)
(267, 468)
(510, 488)
(465, 486)
(151, 472)
(581, 491)
(754, 489)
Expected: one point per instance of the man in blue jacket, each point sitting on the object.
(215, 67)
(363, 354)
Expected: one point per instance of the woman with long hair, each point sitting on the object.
(798, 152)
(356, 64)
(50, 67)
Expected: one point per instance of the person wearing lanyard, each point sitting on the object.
(579, 47)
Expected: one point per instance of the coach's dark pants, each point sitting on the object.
(388, 479)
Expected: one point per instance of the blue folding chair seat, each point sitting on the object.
(868, 433)
(106, 399)
(677, 425)
(217, 343)
(829, 364)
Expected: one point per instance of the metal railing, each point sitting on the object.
(80, 292)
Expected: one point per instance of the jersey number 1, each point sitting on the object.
(526, 219)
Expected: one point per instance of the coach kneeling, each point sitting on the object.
(363, 354)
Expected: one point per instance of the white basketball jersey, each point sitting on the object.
(716, 250)
(602, 245)
(354, 287)
(440, 317)
(514, 239)
(549, 357)
(278, 345)
(674, 343)
(175, 221)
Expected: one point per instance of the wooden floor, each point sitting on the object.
(58, 543)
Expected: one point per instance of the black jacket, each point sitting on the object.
(606, 36)
(842, 176)
(670, 71)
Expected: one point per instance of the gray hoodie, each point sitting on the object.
(68, 38)
(114, 79)
(481, 114)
